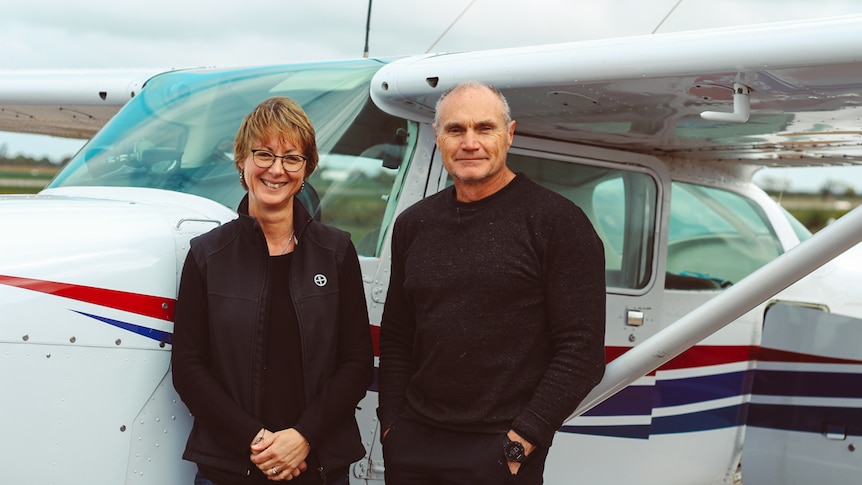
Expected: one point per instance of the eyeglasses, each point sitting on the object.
(265, 159)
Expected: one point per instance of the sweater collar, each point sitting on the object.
(478, 204)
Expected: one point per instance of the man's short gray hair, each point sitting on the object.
(507, 113)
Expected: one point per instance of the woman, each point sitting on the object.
(272, 348)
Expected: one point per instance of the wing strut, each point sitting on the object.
(741, 107)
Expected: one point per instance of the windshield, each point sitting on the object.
(178, 135)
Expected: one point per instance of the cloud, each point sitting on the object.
(120, 33)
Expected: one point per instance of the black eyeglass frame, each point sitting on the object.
(283, 158)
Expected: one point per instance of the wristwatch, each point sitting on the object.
(514, 451)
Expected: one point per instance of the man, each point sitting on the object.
(493, 328)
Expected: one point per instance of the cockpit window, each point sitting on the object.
(178, 133)
(799, 228)
(620, 204)
(716, 238)
(359, 191)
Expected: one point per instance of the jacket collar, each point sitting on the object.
(301, 217)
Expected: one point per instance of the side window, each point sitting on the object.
(620, 204)
(799, 228)
(357, 182)
(716, 238)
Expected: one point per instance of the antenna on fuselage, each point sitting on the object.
(665, 17)
(367, 29)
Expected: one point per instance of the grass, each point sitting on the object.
(816, 211)
(25, 179)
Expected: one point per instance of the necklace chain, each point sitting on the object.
(289, 240)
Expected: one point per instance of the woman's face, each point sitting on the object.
(272, 188)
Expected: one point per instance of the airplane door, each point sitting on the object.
(804, 422)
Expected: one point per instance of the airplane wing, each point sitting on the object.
(800, 100)
(65, 103)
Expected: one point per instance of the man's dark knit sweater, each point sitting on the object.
(495, 314)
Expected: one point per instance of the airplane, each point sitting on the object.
(732, 332)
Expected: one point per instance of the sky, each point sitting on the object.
(85, 34)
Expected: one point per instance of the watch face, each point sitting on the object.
(513, 451)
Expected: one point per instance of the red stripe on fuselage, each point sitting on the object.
(775, 355)
(706, 355)
(699, 356)
(375, 339)
(147, 305)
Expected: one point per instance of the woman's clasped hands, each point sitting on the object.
(280, 455)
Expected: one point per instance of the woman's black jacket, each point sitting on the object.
(218, 342)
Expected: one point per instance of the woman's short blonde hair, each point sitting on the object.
(278, 117)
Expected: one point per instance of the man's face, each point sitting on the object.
(473, 136)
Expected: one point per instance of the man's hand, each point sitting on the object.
(528, 448)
